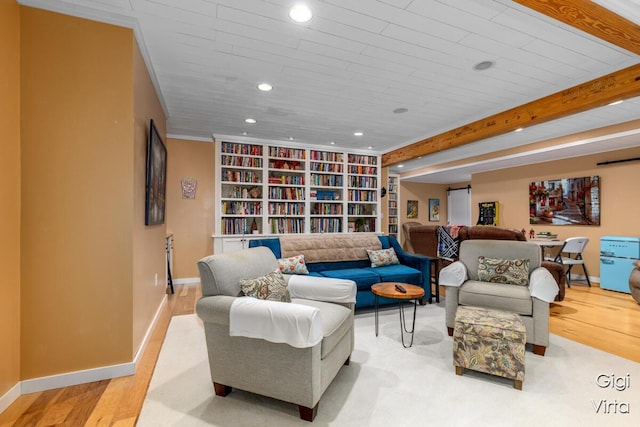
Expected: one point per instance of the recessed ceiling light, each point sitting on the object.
(291, 138)
(400, 166)
(252, 121)
(333, 143)
(518, 130)
(358, 133)
(370, 147)
(244, 133)
(400, 110)
(265, 87)
(300, 13)
(617, 102)
(484, 65)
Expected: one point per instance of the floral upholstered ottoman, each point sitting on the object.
(489, 341)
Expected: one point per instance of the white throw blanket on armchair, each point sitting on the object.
(280, 322)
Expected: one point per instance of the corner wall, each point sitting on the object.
(149, 255)
(77, 192)
(422, 193)
(190, 220)
(9, 196)
(619, 201)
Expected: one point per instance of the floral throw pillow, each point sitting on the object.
(382, 257)
(271, 286)
(509, 271)
(293, 265)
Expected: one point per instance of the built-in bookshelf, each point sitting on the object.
(269, 189)
(241, 179)
(286, 190)
(326, 191)
(392, 205)
(362, 192)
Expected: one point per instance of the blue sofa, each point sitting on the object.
(345, 257)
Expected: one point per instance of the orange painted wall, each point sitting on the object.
(10, 195)
(190, 220)
(83, 235)
(619, 204)
(149, 256)
(422, 193)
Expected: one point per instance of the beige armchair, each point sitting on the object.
(265, 358)
(530, 301)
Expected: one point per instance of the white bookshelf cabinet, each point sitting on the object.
(267, 190)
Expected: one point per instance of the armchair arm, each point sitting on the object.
(542, 285)
(454, 274)
(298, 325)
(215, 309)
(327, 289)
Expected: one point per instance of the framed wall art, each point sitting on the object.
(568, 201)
(488, 213)
(156, 185)
(412, 209)
(434, 210)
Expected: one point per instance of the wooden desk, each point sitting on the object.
(547, 244)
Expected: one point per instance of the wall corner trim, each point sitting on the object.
(9, 397)
(85, 376)
(186, 280)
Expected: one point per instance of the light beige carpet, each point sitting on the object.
(388, 385)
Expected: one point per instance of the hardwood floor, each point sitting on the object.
(606, 320)
(115, 402)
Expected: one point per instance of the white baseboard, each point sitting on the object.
(147, 335)
(9, 397)
(89, 375)
(78, 377)
(186, 280)
(583, 278)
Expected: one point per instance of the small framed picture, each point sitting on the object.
(412, 209)
(434, 210)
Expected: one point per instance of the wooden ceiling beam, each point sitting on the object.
(590, 17)
(585, 15)
(623, 84)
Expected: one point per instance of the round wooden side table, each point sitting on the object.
(389, 290)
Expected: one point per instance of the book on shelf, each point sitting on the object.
(325, 195)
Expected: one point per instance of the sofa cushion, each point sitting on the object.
(363, 277)
(382, 257)
(319, 267)
(397, 273)
(471, 250)
(271, 286)
(335, 322)
(293, 265)
(497, 295)
(509, 271)
(328, 248)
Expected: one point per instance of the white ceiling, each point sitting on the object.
(355, 62)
